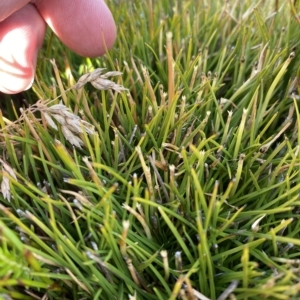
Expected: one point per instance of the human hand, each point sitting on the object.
(85, 26)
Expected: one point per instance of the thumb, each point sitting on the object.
(21, 36)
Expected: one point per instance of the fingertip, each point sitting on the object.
(102, 42)
(86, 27)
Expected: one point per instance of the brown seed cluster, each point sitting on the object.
(100, 81)
(6, 172)
(71, 124)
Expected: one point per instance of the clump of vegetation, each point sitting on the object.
(178, 178)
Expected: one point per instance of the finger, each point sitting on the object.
(9, 7)
(21, 36)
(87, 27)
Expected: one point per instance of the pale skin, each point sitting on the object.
(87, 27)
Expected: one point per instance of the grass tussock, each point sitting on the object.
(176, 179)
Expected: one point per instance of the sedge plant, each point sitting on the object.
(167, 169)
